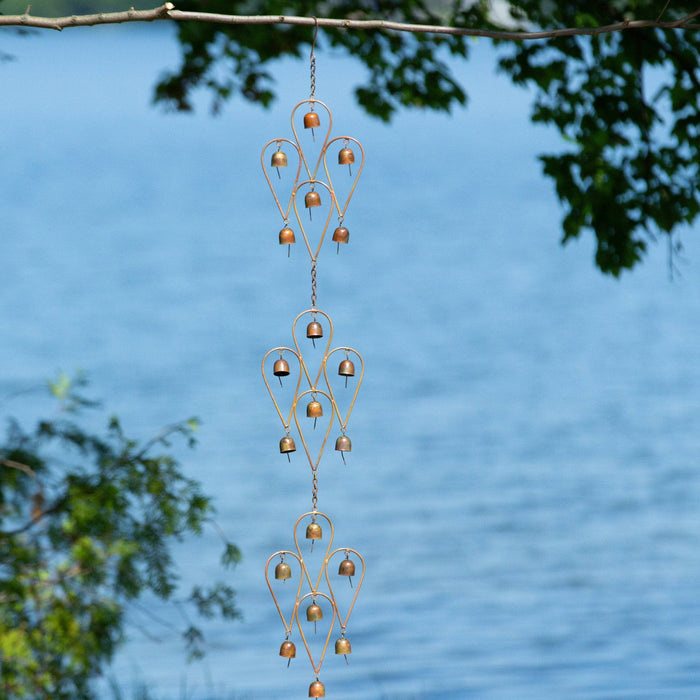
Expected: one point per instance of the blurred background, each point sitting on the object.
(524, 477)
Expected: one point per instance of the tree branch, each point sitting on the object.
(168, 12)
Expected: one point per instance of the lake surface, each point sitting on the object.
(524, 482)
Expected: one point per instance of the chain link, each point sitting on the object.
(313, 284)
(313, 62)
(313, 75)
(314, 492)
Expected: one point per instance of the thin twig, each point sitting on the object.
(661, 14)
(18, 465)
(169, 13)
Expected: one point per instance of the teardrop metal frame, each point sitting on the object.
(287, 626)
(314, 312)
(313, 183)
(288, 422)
(314, 515)
(344, 423)
(284, 214)
(315, 595)
(341, 213)
(312, 102)
(314, 393)
(358, 585)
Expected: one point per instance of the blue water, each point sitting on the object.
(524, 481)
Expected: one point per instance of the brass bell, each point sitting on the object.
(312, 121)
(283, 571)
(314, 532)
(314, 330)
(345, 157)
(314, 410)
(341, 235)
(287, 238)
(342, 646)
(314, 613)
(288, 650)
(278, 160)
(287, 445)
(317, 690)
(280, 369)
(312, 199)
(346, 568)
(346, 369)
(343, 445)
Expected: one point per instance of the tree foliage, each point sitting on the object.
(626, 104)
(86, 526)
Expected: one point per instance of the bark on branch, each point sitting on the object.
(168, 12)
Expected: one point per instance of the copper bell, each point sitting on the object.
(278, 160)
(346, 369)
(314, 409)
(312, 199)
(312, 121)
(288, 650)
(317, 690)
(341, 235)
(342, 646)
(280, 368)
(287, 238)
(314, 613)
(283, 571)
(314, 532)
(346, 568)
(343, 445)
(346, 157)
(287, 445)
(314, 330)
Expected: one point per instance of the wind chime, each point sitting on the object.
(315, 387)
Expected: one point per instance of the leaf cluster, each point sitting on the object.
(626, 104)
(403, 70)
(87, 524)
(628, 108)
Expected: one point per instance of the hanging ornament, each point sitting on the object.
(317, 527)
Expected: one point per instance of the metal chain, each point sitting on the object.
(314, 491)
(313, 284)
(313, 61)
